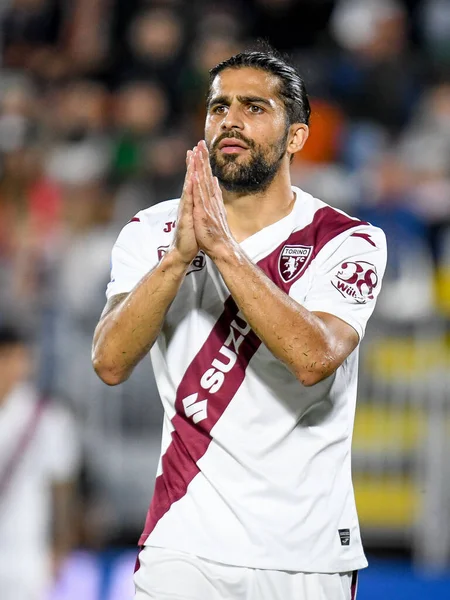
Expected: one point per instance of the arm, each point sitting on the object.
(61, 453)
(64, 516)
(312, 345)
(130, 323)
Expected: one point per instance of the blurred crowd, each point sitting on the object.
(100, 99)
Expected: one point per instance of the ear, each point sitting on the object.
(298, 135)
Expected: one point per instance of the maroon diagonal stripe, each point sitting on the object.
(326, 225)
(190, 440)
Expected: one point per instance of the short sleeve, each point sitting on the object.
(347, 281)
(128, 265)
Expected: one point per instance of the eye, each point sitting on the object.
(255, 109)
(219, 110)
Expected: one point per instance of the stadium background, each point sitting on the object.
(99, 100)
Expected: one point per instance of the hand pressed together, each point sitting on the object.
(202, 216)
(210, 218)
(184, 241)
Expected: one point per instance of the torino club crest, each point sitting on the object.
(293, 261)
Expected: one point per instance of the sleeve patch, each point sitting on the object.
(357, 280)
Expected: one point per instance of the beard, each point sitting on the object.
(256, 173)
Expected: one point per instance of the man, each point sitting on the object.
(252, 297)
(38, 463)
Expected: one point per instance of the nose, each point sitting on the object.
(232, 119)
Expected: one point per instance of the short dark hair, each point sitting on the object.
(292, 88)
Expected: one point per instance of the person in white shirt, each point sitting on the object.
(252, 297)
(39, 456)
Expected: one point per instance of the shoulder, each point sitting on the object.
(326, 227)
(158, 214)
(161, 217)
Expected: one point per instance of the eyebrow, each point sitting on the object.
(242, 99)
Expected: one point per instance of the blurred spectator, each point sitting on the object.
(77, 109)
(78, 277)
(317, 167)
(223, 21)
(434, 18)
(29, 204)
(87, 35)
(376, 78)
(328, 124)
(29, 26)
(155, 42)
(168, 161)
(430, 169)
(79, 147)
(386, 200)
(206, 51)
(39, 457)
(140, 114)
(164, 162)
(289, 24)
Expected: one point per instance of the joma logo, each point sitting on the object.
(169, 226)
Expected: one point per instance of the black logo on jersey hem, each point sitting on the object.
(344, 535)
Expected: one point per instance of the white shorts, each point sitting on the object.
(170, 575)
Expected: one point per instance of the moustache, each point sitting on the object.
(234, 136)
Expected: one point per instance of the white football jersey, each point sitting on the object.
(255, 469)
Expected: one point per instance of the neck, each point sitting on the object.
(249, 213)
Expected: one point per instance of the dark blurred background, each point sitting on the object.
(99, 101)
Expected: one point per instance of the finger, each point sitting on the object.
(189, 168)
(208, 176)
(205, 155)
(204, 159)
(198, 170)
(205, 181)
(214, 190)
(196, 192)
(186, 200)
(188, 190)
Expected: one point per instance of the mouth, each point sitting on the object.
(232, 146)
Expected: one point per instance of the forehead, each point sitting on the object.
(246, 81)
